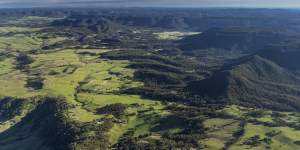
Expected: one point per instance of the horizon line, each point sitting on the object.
(172, 7)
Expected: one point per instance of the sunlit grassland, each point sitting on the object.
(17, 29)
(111, 78)
(93, 51)
(21, 42)
(97, 77)
(141, 123)
(86, 81)
(12, 84)
(99, 81)
(6, 66)
(36, 18)
(29, 20)
(284, 140)
(235, 111)
(61, 84)
(265, 116)
(48, 61)
(9, 123)
(24, 38)
(119, 129)
(102, 78)
(82, 115)
(175, 35)
(102, 100)
(221, 130)
(12, 81)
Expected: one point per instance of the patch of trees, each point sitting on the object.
(6, 54)
(256, 114)
(257, 140)
(297, 142)
(11, 107)
(22, 60)
(117, 109)
(69, 69)
(138, 55)
(183, 141)
(167, 142)
(157, 78)
(35, 83)
(236, 135)
(155, 65)
(157, 93)
(87, 53)
(214, 87)
(253, 141)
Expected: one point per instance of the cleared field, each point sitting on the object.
(21, 42)
(144, 121)
(30, 20)
(259, 115)
(257, 135)
(100, 77)
(88, 83)
(283, 140)
(14, 39)
(17, 29)
(6, 66)
(219, 132)
(13, 84)
(173, 35)
(102, 100)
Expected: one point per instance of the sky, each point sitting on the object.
(151, 3)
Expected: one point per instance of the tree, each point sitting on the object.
(22, 60)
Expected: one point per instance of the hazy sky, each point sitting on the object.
(152, 3)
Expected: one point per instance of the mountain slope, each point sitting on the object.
(93, 23)
(256, 82)
(286, 55)
(241, 39)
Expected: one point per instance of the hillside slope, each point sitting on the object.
(240, 39)
(256, 82)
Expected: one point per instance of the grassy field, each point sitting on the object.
(86, 81)
(17, 29)
(284, 140)
(173, 35)
(220, 130)
(24, 39)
